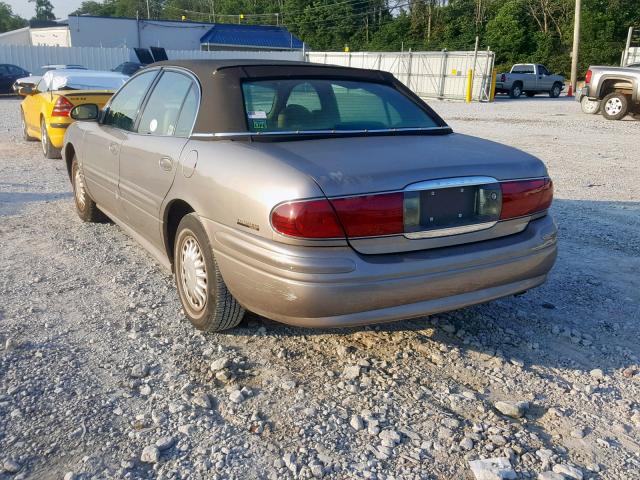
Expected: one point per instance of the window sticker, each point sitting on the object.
(260, 124)
(153, 125)
(258, 114)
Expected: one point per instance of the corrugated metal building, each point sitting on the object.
(94, 31)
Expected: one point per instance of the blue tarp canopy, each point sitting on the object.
(261, 36)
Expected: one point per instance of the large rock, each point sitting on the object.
(568, 471)
(498, 468)
(551, 476)
(512, 409)
(150, 454)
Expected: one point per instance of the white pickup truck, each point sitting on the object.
(529, 78)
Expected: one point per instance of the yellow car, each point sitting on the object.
(46, 106)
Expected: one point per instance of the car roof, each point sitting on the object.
(219, 80)
(222, 104)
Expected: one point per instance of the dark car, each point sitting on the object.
(9, 74)
(128, 68)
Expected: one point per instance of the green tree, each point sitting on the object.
(44, 10)
(507, 34)
(9, 20)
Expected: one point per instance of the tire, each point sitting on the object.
(516, 90)
(48, 150)
(207, 303)
(555, 91)
(615, 106)
(85, 206)
(590, 107)
(530, 94)
(25, 133)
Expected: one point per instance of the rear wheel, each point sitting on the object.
(590, 107)
(615, 106)
(516, 90)
(49, 150)
(206, 301)
(555, 91)
(25, 131)
(85, 206)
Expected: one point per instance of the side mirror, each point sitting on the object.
(86, 112)
(27, 90)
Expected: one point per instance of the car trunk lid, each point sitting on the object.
(448, 185)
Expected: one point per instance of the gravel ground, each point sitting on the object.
(101, 377)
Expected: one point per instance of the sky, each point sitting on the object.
(61, 8)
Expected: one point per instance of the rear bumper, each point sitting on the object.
(335, 286)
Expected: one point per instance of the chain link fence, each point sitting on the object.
(441, 75)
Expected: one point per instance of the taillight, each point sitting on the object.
(503, 78)
(383, 214)
(62, 107)
(371, 215)
(587, 77)
(306, 219)
(525, 197)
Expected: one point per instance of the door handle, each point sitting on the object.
(113, 148)
(166, 164)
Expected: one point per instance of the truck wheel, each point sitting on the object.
(555, 91)
(615, 106)
(590, 107)
(205, 299)
(530, 94)
(516, 90)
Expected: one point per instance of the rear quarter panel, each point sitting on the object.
(237, 185)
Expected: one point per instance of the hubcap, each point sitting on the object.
(193, 273)
(517, 92)
(613, 106)
(79, 190)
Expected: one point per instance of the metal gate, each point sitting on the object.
(443, 75)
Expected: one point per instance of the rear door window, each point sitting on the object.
(160, 115)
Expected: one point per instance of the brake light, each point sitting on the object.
(503, 78)
(306, 219)
(525, 197)
(587, 77)
(383, 214)
(62, 107)
(371, 215)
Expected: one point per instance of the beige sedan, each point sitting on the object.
(313, 195)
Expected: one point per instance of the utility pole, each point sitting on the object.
(148, 11)
(576, 48)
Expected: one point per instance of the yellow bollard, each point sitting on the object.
(469, 92)
(492, 94)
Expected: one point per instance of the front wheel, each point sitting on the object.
(85, 206)
(555, 91)
(588, 106)
(615, 106)
(25, 130)
(49, 150)
(205, 299)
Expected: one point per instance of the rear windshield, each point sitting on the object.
(291, 105)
